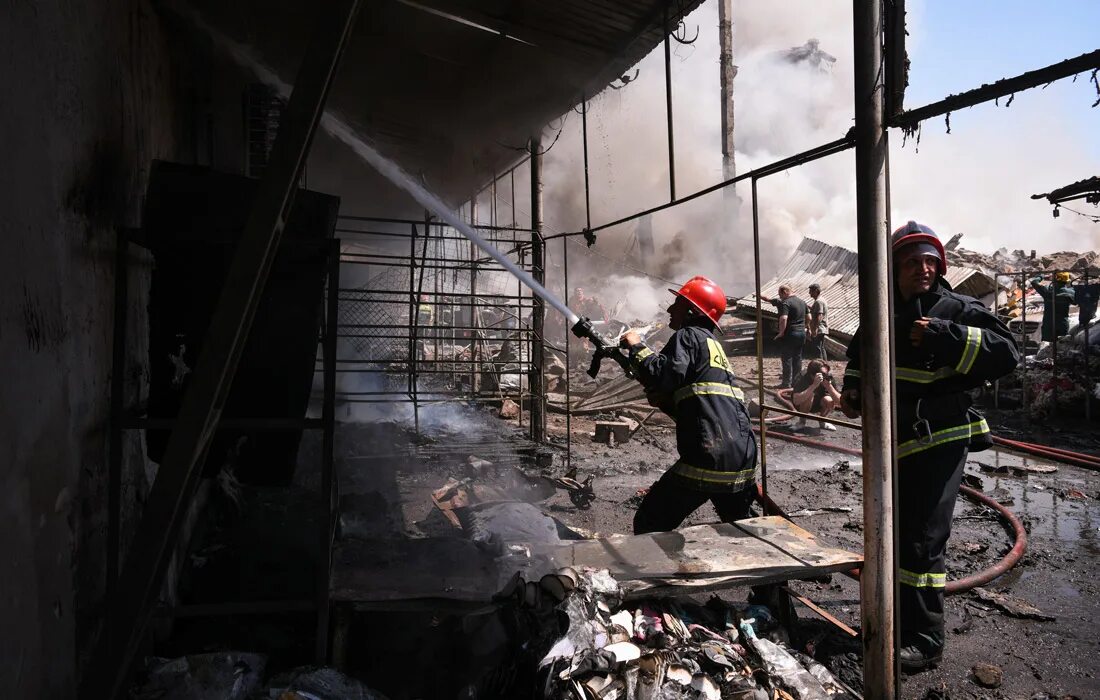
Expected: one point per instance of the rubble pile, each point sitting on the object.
(671, 648)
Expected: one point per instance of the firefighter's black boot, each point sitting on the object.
(920, 652)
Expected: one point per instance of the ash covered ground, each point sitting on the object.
(822, 492)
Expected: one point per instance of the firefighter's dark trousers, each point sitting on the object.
(669, 502)
(928, 483)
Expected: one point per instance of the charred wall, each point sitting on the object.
(93, 93)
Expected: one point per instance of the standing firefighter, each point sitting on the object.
(944, 345)
(1057, 298)
(690, 379)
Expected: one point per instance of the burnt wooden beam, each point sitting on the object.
(1002, 88)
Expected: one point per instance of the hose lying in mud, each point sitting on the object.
(1009, 518)
(1077, 459)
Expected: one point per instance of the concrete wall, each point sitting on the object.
(93, 92)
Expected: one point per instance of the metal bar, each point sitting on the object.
(1001, 88)
(877, 584)
(587, 191)
(538, 313)
(114, 448)
(177, 478)
(825, 615)
(416, 330)
(568, 387)
(130, 423)
(441, 224)
(1088, 350)
(1023, 345)
(801, 414)
(897, 61)
(778, 166)
(328, 443)
(759, 339)
(668, 112)
(519, 307)
(726, 74)
(475, 310)
(411, 337)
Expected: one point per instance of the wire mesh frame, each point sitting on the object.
(435, 324)
(1022, 277)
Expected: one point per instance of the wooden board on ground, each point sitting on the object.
(691, 560)
(705, 557)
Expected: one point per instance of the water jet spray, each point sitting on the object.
(343, 132)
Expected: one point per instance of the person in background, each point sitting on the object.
(945, 344)
(1057, 299)
(815, 392)
(818, 323)
(791, 335)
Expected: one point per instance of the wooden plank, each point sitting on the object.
(387, 573)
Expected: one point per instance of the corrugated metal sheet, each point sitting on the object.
(836, 270)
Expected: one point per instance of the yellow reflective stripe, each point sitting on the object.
(636, 360)
(854, 373)
(714, 476)
(708, 389)
(941, 437)
(915, 580)
(920, 376)
(970, 352)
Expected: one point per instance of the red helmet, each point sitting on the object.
(913, 232)
(706, 296)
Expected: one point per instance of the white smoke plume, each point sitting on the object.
(976, 180)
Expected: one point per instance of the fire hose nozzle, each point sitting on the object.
(604, 348)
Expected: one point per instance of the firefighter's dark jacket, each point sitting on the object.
(1057, 298)
(963, 346)
(714, 438)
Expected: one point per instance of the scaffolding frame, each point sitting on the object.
(423, 319)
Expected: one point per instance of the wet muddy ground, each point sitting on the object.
(1058, 574)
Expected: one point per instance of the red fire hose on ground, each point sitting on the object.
(982, 577)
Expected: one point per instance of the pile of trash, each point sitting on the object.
(234, 675)
(669, 649)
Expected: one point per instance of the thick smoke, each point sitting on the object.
(976, 180)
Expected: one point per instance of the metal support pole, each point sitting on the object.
(759, 342)
(1053, 346)
(475, 307)
(877, 583)
(568, 388)
(727, 72)
(668, 113)
(587, 200)
(1088, 365)
(410, 344)
(172, 491)
(538, 311)
(1023, 346)
(328, 442)
(522, 341)
(114, 452)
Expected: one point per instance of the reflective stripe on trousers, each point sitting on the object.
(929, 580)
(738, 479)
(942, 437)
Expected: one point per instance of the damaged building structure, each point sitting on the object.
(232, 234)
